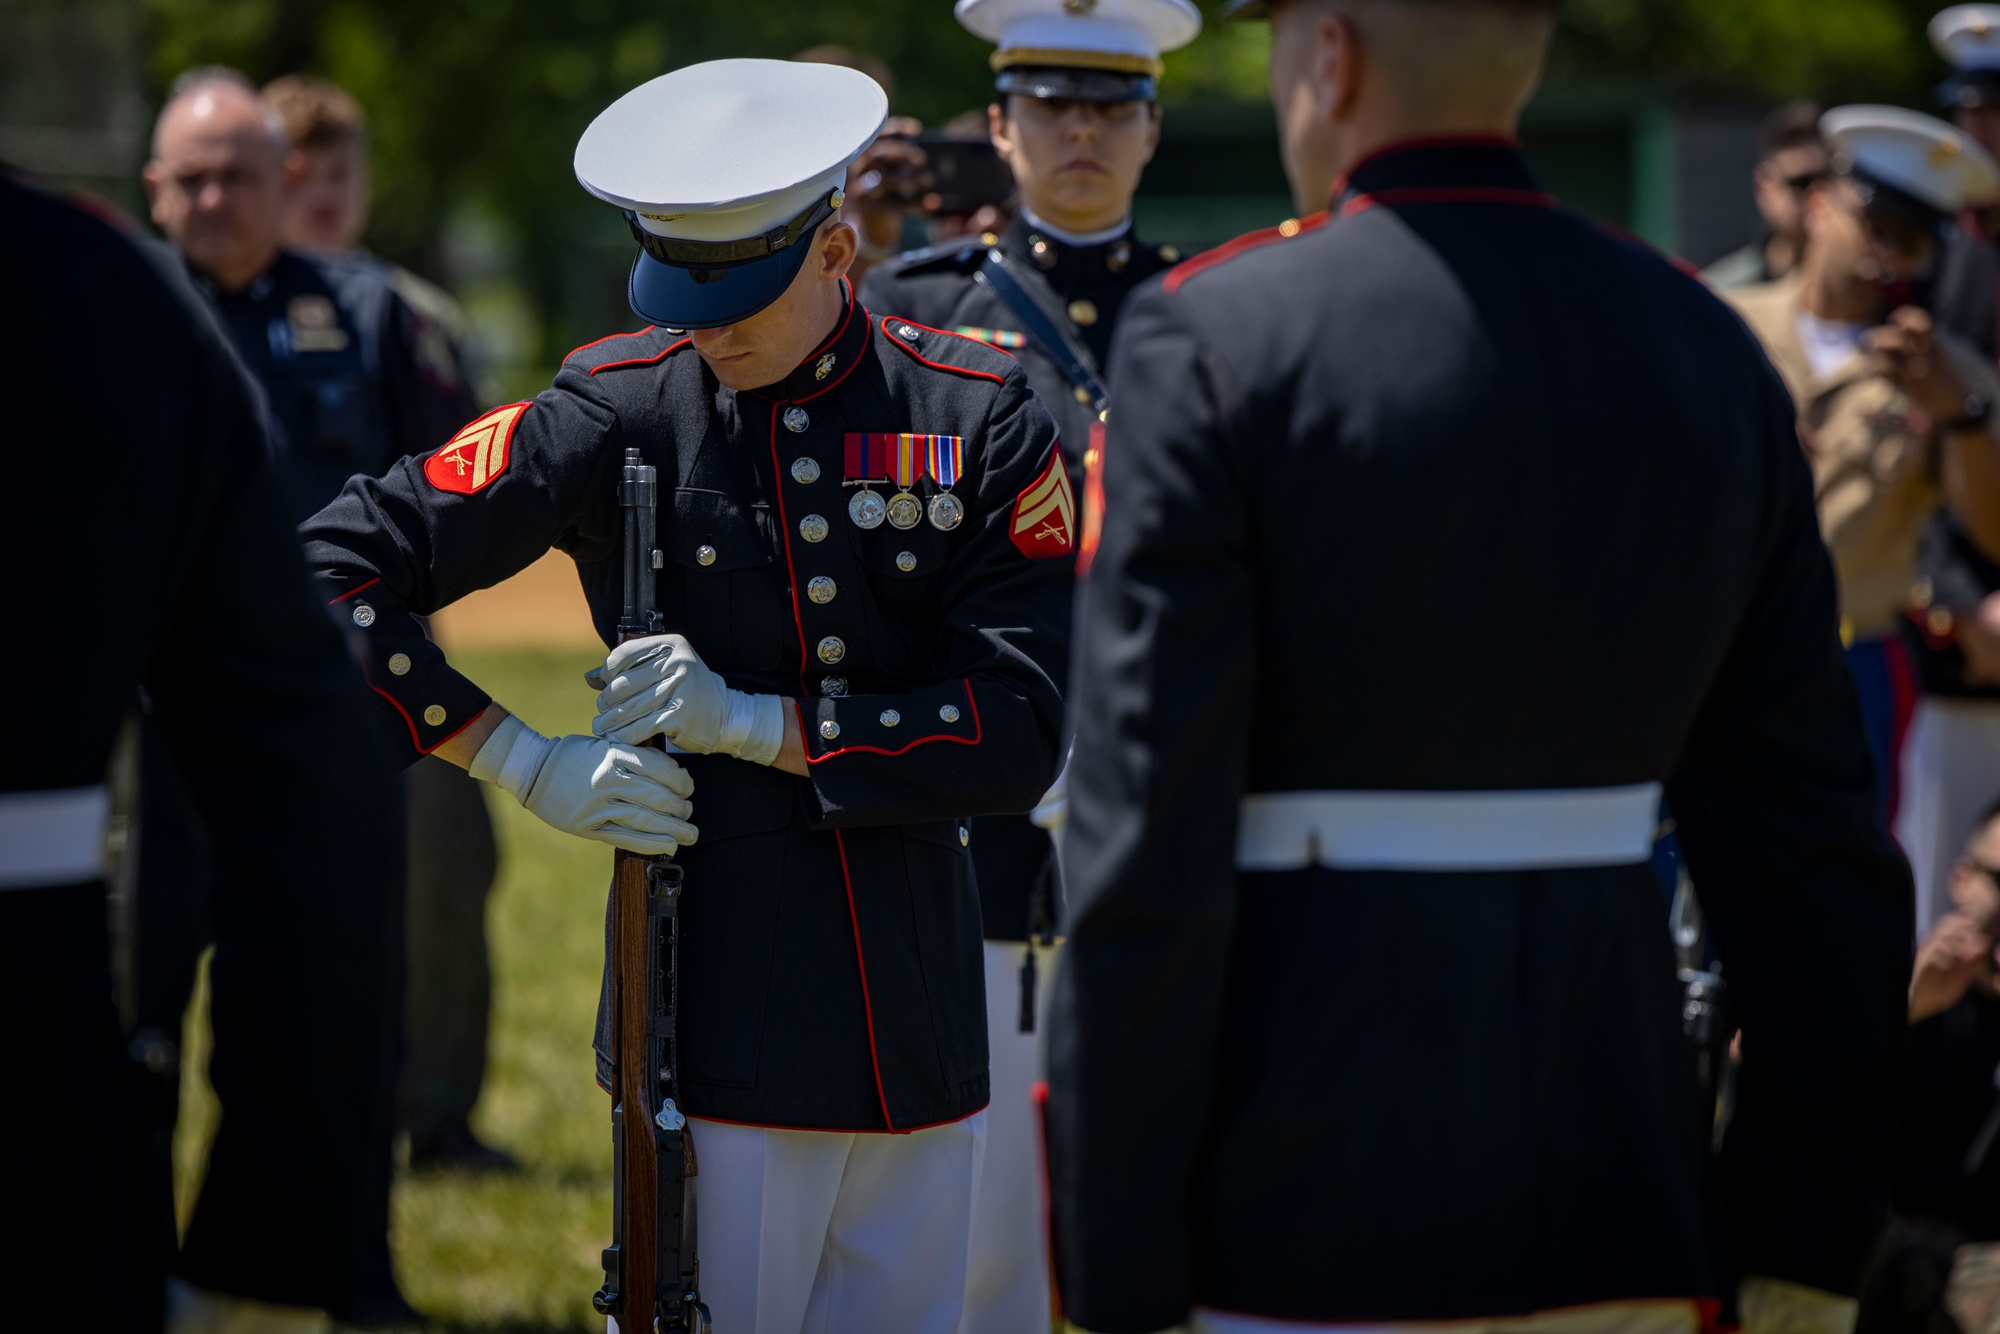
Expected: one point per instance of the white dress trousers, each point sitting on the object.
(1007, 1277)
(1951, 772)
(818, 1232)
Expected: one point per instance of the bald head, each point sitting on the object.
(217, 180)
(1351, 76)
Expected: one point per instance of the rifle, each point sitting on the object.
(1705, 1016)
(651, 1274)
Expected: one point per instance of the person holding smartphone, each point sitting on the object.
(1076, 121)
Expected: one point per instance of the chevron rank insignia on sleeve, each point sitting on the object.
(1044, 520)
(470, 460)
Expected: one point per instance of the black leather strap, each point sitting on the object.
(1070, 358)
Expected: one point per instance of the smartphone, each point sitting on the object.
(968, 174)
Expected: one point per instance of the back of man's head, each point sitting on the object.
(1352, 76)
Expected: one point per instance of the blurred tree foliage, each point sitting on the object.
(482, 101)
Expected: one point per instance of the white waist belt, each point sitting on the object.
(52, 837)
(1447, 831)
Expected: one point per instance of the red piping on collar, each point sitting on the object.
(861, 963)
(656, 358)
(943, 333)
(1187, 269)
(853, 364)
(1444, 194)
(1422, 141)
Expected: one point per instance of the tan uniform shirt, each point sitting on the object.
(1874, 461)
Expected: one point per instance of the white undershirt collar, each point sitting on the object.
(1077, 238)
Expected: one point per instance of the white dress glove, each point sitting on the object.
(1776, 1306)
(659, 686)
(630, 798)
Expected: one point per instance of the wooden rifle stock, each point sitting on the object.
(651, 1275)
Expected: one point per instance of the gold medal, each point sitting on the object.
(905, 511)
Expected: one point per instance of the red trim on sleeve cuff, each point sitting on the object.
(357, 589)
(972, 740)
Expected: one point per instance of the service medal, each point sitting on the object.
(944, 459)
(905, 510)
(866, 509)
(946, 512)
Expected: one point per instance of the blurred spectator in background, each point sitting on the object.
(341, 359)
(328, 212)
(1792, 160)
(899, 197)
(1947, 1193)
(1892, 416)
(452, 856)
(1969, 40)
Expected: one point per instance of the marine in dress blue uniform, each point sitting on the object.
(857, 550)
(1369, 1012)
(179, 577)
(1052, 298)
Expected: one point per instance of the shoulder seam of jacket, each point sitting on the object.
(1229, 250)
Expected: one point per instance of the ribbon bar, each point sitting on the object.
(876, 456)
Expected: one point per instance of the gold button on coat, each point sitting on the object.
(906, 561)
(704, 555)
(1083, 311)
(949, 713)
(890, 718)
(813, 528)
(821, 589)
(832, 650)
(399, 664)
(434, 715)
(829, 729)
(805, 471)
(796, 420)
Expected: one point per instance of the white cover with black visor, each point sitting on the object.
(1085, 50)
(725, 171)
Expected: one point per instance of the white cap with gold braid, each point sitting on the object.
(1123, 39)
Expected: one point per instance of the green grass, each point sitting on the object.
(511, 1253)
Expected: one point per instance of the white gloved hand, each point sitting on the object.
(630, 798)
(1776, 1306)
(659, 686)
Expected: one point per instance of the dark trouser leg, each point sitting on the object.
(170, 910)
(91, 1215)
(306, 1005)
(452, 863)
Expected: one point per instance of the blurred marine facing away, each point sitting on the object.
(1441, 533)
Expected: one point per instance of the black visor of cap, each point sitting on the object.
(1970, 88)
(1878, 196)
(682, 284)
(1076, 85)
